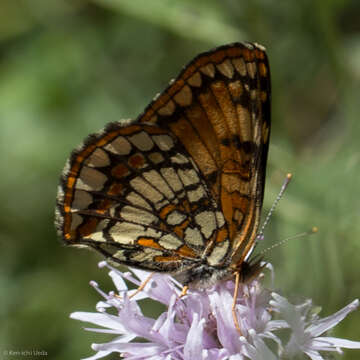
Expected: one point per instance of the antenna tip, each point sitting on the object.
(314, 229)
(289, 176)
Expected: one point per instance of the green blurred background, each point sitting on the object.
(69, 67)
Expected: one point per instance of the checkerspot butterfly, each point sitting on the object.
(180, 189)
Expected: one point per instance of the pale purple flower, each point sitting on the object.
(200, 325)
(307, 327)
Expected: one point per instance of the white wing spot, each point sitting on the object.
(145, 189)
(206, 221)
(220, 219)
(126, 233)
(195, 80)
(142, 141)
(240, 66)
(197, 194)
(138, 200)
(152, 233)
(175, 218)
(90, 179)
(99, 158)
(162, 204)
(184, 96)
(193, 237)
(251, 66)
(119, 146)
(226, 68)
(146, 254)
(76, 221)
(172, 178)
(170, 242)
(156, 157)
(217, 255)
(82, 199)
(208, 70)
(188, 176)
(156, 180)
(179, 159)
(164, 142)
(167, 109)
(130, 213)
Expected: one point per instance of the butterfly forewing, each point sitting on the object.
(183, 184)
(219, 108)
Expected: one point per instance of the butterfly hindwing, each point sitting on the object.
(132, 193)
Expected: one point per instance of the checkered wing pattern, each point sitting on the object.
(219, 108)
(183, 184)
(134, 194)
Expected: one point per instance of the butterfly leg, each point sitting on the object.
(233, 307)
(184, 291)
(142, 286)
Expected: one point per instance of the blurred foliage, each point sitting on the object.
(69, 67)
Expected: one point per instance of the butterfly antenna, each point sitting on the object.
(272, 209)
(306, 233)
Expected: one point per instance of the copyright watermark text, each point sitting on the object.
(26, 352)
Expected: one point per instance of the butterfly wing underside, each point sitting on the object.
(183, 182)
(219, 108)
(133, 193)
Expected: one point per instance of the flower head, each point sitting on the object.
(307, 327)
(200, 325)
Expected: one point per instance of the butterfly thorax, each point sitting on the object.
(202, 276)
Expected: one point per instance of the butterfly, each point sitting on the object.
(180, 189)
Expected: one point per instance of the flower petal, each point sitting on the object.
(289, 313)
(221, 303)
(193, 344)
(320, 326)
(215, 354)
(141, 350)
(98, 355)
(101, 319)
(333, 343)
(259, 351)
(118, 280)
(313, 355)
